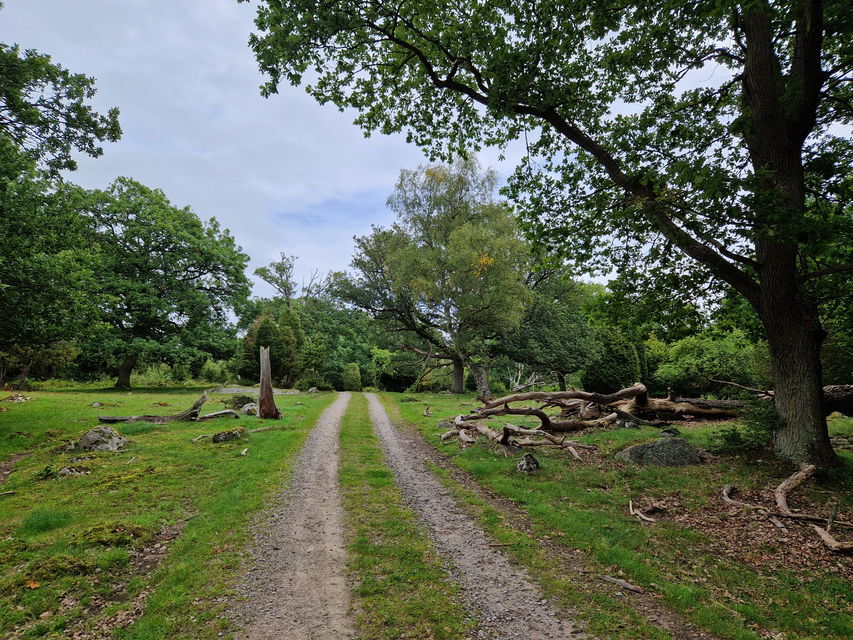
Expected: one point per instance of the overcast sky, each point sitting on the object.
(284, 174)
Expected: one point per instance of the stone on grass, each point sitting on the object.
(231, 434)
(528, 464)
(444, 424)
(102, 438)
(312, 390)
(249, 409)
(670, 431)
(667, 452)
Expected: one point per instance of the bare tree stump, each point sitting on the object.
(266, 403)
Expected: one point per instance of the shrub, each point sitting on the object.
(213, 371)
(352, 377)
(615, 366)
(692, 361)
(753, 430)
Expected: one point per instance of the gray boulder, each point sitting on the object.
(528, 464)
(102, 438)
(667, 452)
(249, 409)
(444, 424)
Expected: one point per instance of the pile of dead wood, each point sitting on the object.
(566, 411)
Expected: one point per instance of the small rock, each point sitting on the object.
(312, 390)
(249, 409)
(73, 471)
(444, 424)
(670, 431)
(527, 464)
(667, 452)
(102, 438)
(231, 434)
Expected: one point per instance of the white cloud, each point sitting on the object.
(284, 174)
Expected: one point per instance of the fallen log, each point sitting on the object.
(190, 415)
(219, 414)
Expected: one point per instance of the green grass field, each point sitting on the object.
(727, 573)
(68, 544)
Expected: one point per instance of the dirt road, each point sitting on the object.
(297, 588)
(505, 603)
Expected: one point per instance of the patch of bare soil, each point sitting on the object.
(502, 598)
(570, 560)
(296, 588)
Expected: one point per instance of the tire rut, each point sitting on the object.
(297, 588)
(502, 598)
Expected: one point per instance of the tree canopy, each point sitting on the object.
(166, 278)
(708, 128)
(44, 109)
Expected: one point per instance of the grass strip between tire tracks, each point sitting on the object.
(402, 590)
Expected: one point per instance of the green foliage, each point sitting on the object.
(752, 431)
(615, 364)
(44, 110)
(266, 332)
(213, 371)
(380, 364)
(449, 274)
(279, 275)
(41, 520)
(692, 361)
(352, 377)
(166, 278)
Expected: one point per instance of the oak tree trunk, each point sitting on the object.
(561, 381)
(124, 372)
(795, 337)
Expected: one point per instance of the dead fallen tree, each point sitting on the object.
(573, 410)
(190, 415)
(782, 510)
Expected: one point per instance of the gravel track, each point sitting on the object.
(297, 587)
(502, 598)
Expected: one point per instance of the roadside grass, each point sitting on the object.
(70, 546)
(583, 506)
(402, 590)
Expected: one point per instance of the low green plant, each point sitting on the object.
(753, 430)
(42, 520)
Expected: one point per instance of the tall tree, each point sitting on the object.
(450, 271)
(47, 288)
(707, 128)
(167, 279)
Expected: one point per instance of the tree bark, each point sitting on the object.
(795, 336)
(458, 385)
(481, 378)
(266, 401)
(124, 372)
(561, 381)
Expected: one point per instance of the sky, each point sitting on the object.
(284, 174)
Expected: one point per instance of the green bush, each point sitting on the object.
(615, 364)
(213, 371)
(753, 431)
(693, 361)
(352, 377)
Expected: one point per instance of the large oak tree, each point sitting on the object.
(709, 130)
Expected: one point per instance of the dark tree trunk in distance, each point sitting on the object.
(124, 372)
(458, 385)
(561, 381)
(266, 401)
(481, 378)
